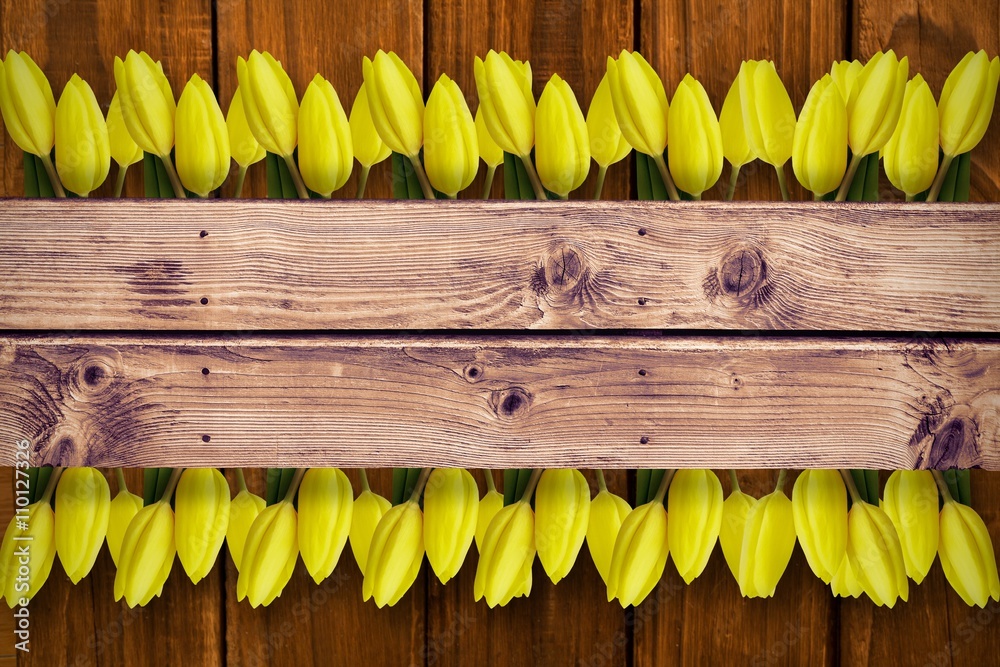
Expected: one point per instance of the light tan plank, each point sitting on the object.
(510, 265)
(485, 401)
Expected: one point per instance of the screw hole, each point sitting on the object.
(642, 301)
(642, 371)
(473, 372)
(206, 438)
(203, 234)
(205, 371)
(642, 231)
(204, 300)
(642, 441)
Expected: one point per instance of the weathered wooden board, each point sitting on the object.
(548, 401)
(498, 265)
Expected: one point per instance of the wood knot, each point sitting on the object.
(93, 374)
(564, 270)
(741, 273)
(474, 372)
(955, 445)
(510, 404)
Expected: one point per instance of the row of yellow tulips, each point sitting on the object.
(870, 548)
(871, 108)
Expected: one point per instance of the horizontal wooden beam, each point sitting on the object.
(238, 265)
(497, 401)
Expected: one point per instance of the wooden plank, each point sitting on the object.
(84, 37)
(504, 265)
(549, 401)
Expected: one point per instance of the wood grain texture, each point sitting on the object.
(84, 37)
(498, 265)
(935, 35)
(541, 402)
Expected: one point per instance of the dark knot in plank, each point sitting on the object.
(562, 273)
(510, 404)
(741, 278)
(91, 376)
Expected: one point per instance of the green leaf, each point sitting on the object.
(964, 484)
(286, 481)
(963, 178)
(950, 181)
(871, 177)
(951, 477)
(523, 182)
(166, 189)
(45, 188)
(30, 176)
(150, 184)
(871, 481)
(509, 478)
(399, 189)
(273, 482)
(273, 188)
(655, 477)
(644, 189)
(857, 191)
(412, 475)
(162, 478)
(42, 481)
(656, 182)
(642, 475)
(149, 476)
(858, 475)
(523, 475)
(511, 188)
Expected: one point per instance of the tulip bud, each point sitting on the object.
(269, 555)
(845, 583)
(506, 101)
(451, 147)
(607, 145)
(27, 104)
(640, 554)
(326, 508)
(875, 554)
(40, 535)
(397, 550)
(147, 102)
(369, 508)
(819, 146)
(911, 155)
(819, 510)
(768, 542)
(395, 102)
(607, 512)
(695, 505)
(967, 101)
(768, 116)
(123, 508)
(967, 556)
(326, 152)
(83, 151)
(562, 514)
(243, 511)
(562, 145)
(506, 555)
(201, 506)
(202, 140)
(734, 520)
(845, 74)
(489, 151)
(734, 137)
(369, 148)
(124, 150)
(911, 503)
(83, 507)
(695, 156)
(245, 148)
(147, 555)
(269, 102)
(490, 504)
(640, 102)
(451, 512)
(875, 102)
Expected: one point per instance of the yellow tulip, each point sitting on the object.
(395, 556)
(640, 554)
(562, 514)
(640, 102)
(607, 144)
(489, 505)
(243, 511)
(326, 509)
(368, 511)
(369, 148)
(489, 151)
(269, 102)
(245, 148)
(967, 101)
(147, 555)
(768, 116)
(562, 144)
(123, 508)
(506, 101)
(696, 153)
(506, 555)
(395, 102)
(819, 510)
(326, 151)
(27, 104)
(967, 556)
(875, 554)
(845, 75)
(269, 555)
(911, 503)
(451, 147)
(201, 508)
(83, 508)
(734, 520)
(147, 102)
(124, 150)
(451, 513)
(695, 504)
(819, 146)
(845, 583)
(875, 102)
(83, 150)
(768, 542)
(911, 154)
(27, 553)
(607, 512)
(202, 139)
(734, 137)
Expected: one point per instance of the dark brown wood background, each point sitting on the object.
(571, 624)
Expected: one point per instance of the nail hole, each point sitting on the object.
(642, 231)
(204, 300)
(473, 372)
(206, 438)
(642, 441)
(203, 234)
(642, 301)
(642, 371)
(205, 371)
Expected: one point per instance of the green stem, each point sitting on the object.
(240, 177)
(602, 484)
(851, 487)
(362, 182)
(50, 488)
(942, 486)
(120, 183)
(817, 196)
(293, 171)
(536, 183)
(734, 481)
(601, 173)
(935, 190)
(734, 177)
(529, 490)
(120, 477)
(665, 175)
(418, 488)
(294, 486)
(780, 170)
(425, 184)
(50, 169)
(168, 492)
(175, 181)
(910, 197)
(490, 484)
(845, 185)
(363, 474)
(661, 491)
(491, 170)
(241, 480)
(782, 474)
